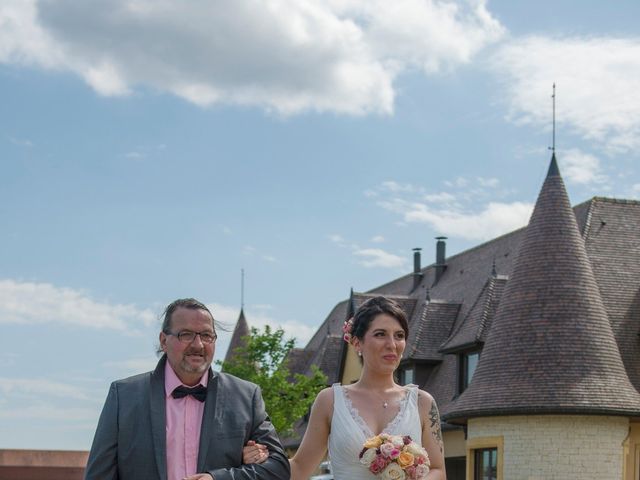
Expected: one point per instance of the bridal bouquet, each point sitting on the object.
(394, 457)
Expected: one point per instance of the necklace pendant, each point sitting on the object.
(385, 405)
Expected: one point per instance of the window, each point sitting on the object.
(486, 464)
(484, 458)
(407, 376)
(468, 364)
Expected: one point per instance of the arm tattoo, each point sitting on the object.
(436, 429)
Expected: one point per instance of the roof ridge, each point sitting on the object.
(487, 306)
(469, 312)
(421, 321)
(587, 222)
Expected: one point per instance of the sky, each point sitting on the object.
(152, 149)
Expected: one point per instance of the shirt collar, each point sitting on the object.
(171, 380)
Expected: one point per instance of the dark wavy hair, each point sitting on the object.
(374, 307)
(190, 303)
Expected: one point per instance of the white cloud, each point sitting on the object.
(292, 329)
(598, 81)
(395, 187)
(132, 366)
(34, 387)
(496, 218)
(370, 193)
(441, 197)
(255, 318)
(261, 306)
(50, 412)
(37, 303)
(423, 34)
(21, 142)
(580, 167)
(284, 55)
(250, 250)
(337, 239)
(376, 257)
(488, 182)
(378, 239)
(226, 230)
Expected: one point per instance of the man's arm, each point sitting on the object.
(103, 458)
(276, 467)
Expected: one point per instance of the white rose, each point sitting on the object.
(417, 451)
(421, 472)
(393, 472)
(368, 456)
(397, 441)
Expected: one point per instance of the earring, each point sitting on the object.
(359, 354)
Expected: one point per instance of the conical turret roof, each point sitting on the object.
(550, 348)
(240, 331)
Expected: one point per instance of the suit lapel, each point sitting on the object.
(158, 418)
(210, 417)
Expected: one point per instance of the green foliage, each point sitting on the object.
(263, 361)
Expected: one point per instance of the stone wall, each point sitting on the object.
(557, 447)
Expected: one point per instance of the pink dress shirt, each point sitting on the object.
(184, 419)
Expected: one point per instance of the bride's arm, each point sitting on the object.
(432, 435)
(314, 443)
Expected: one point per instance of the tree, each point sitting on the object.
(262, 359)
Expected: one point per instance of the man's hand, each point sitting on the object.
(199, 476)
(254, 452)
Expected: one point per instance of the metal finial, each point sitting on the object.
(242, 289)
(553, 138)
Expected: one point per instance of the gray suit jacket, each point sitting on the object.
(130, 441)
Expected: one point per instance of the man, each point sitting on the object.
(184, 421)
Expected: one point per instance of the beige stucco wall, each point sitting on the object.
(352, 367)
(454, 443)
(550, 447)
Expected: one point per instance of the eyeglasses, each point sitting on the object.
(187, 336)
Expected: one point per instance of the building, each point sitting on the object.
(529, 343)
(42, 464)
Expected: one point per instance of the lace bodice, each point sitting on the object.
(349, 432)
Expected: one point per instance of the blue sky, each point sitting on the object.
(151, 150)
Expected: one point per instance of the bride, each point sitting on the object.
(344, 417)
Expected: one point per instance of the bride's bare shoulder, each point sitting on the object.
(324, 400)
(425, 400)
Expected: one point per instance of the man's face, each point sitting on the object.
(189, 360)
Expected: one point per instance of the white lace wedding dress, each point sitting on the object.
(349, 432)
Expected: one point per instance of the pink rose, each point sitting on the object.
(378, 464)
(389, 450)
(411, 472)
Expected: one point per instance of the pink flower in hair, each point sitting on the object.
(347, 328)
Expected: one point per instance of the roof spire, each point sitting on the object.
(553, 167)
(553, 136)
(550, 347)
(242, 289)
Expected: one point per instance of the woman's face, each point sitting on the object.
(383, 343)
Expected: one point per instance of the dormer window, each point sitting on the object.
(408, 375)
(468, 364)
